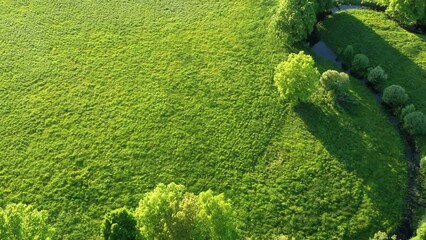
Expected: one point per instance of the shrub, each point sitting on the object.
(294, 20)
(415, 123)
(360, 65)
(168, 212)
(332, 80)
(119, 224)
(20, 221)
(296, 78)
(377, 76)
(407, 109)
(395, 96)
(348, 54)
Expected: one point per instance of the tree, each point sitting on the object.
(119, 224)
(377, 76)
(415, 123)
(407, 110)
(296, 78)
(323, 5)
(294, 20)
(395, 96)
(348, 54)
(168, 212)
(407, 11)
(335, 85)
(20, 221)
(421, 232)
(360, 65)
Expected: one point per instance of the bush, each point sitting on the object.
(332, 80)
(296, 78)
(20, 221)
(377, 76)
(119, 224)
(348, 54)
(415, 123)
(294, 20)
(395, 96)
(360, 65)
(168, 212)
(407, 109)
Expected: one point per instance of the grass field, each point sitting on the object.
(102, 100)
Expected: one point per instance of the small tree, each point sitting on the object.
(296, 78)
(407, 110)
(20, 221)
(360, 65)
(415, 123)
(348, 54)
(377, 76)
(119, 224)
(335, 85)
(168, 212)
(294, 20)
(395, 96)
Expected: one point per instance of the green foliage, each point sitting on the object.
(119, 224)
(294, 20)
(168, 212)
(407, 11)
(407, 109)
(395, 96)
(296, 78)
(23, 222)
(415, 123)
(323, 5)
(348, 54)
(421, 232)
(360, 65)
(335, 85)
(377, 76)
(382, 236)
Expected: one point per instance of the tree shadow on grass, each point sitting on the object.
(364, 153)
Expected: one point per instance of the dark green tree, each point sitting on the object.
(395, 96)
(119, 224)
(294, 20)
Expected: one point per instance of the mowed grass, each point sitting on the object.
(102, 100)
(400, 53)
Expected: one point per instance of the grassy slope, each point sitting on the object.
(402, 54)
(100, 101)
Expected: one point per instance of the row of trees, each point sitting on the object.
(169, 212)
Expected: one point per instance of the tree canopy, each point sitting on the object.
(169, 212)
(21, 222)
(296, 78)
(294, 20)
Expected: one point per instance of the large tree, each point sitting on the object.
(294, 20)
(296, 78)
(169, 212)
(21, 222)
(408, 11)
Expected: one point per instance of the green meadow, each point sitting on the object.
(102, 100)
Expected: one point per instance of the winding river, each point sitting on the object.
(406, 228)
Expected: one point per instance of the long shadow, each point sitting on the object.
(361, 153)
(345, 29)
